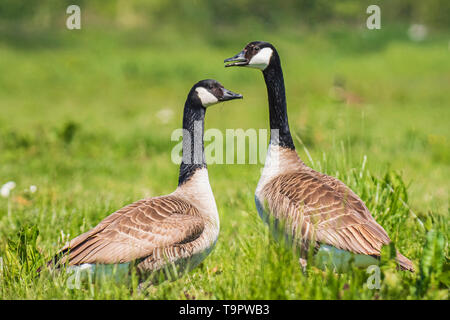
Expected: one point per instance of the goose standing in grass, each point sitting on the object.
(314, 208)
(178, 229)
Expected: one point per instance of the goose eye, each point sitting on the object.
(256, 49)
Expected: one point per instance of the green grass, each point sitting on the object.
(78, 120)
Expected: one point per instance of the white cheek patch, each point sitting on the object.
(206, 97)
(262, 59)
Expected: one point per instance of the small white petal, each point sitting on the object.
(10, 185)
(6, 189)
(33, 188)
(4, 192)
(417, 32)
(164, 115)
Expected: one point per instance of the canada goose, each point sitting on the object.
(178, 229)
(315, 208)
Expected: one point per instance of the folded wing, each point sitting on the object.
(325, 211)
(135, 231)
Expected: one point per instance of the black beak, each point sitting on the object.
(237, 60)
(230, 95)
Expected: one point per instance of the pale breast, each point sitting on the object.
(198, 192)
(279, 160)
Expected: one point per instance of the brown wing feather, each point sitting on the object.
(321, 208)
(135, 231)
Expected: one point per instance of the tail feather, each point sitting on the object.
(404, 262)
(54, 262)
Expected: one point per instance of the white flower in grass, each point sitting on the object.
(164, 115)
(417, 32)
(6, 189)
(33, 189)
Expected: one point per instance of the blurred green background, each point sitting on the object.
(86, 115)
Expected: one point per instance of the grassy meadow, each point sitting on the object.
(87, 116)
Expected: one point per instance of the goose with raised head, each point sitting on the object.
(316, 210)
(178, 229)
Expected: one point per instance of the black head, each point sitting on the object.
(210, 92)
(256, 54)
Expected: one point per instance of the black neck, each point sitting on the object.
(193, 129)
(273, 75)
